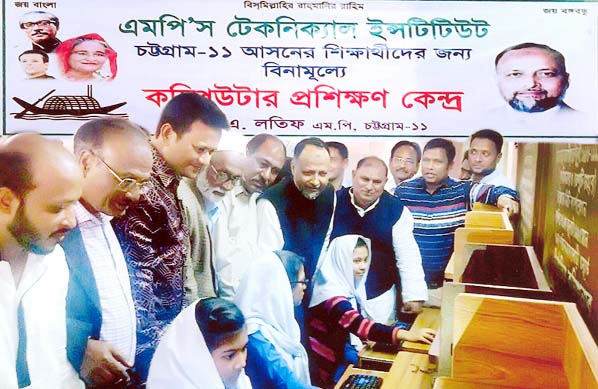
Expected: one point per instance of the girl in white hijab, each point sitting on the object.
(268, 292)
(336, 306)
(205, 347)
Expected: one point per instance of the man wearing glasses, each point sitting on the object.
(235, 230)
(116, 159)
(201, 198)
(41, 28)
(404, 161)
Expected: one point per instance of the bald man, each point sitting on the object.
(116, 158)
(201, 198)
(366, 209)
(40, 183)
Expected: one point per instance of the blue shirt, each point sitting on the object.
(266, 368)
(437, 215)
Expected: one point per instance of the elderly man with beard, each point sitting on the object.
(201, 200)
(532, 79)
(116, 158)
(40, 183)
(41, 28)
(235, 231)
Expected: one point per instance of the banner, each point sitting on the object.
(299, 68)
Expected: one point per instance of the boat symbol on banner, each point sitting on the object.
(67, 107)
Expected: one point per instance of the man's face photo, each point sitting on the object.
(530, 80)
(33, 64)
(39, 27)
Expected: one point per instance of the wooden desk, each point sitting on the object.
(428, 318)
(410, 371)
(381, 356)
(353, 370)
(452, 383)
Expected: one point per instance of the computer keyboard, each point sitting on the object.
(362, 381)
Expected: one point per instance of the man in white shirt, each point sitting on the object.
(235, 231)
(367, 209)
(40, 183)
(483, 155)
(201, 200)
(116, 159)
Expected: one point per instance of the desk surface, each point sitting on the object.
(428, 318)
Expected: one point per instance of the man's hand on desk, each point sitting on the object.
(422, 335)
(412, 307)
(507, 203)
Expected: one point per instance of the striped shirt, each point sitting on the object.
(112, 280)
(437, 215)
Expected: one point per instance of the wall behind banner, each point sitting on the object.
(298, 68)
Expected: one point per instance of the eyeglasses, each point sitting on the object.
(304, 282)
(128, 184)
(406, 161)
(41, 23)
(223, 177)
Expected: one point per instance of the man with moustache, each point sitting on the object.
(485, 151)
(40, 183)
(116, 158)
(405, 157)
(235, 231)
(41, 28)
(201, 199)
(438, 205)
(296, 215)
(367, 209)
(532, 79)
(153, 235)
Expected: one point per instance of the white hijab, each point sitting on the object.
(265, 297)
(182, 359)
(334, 276)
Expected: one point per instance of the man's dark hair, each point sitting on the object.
(292, 263)
(45, 57)
(91, 134)
(218, 320)
(556, 55)
(415, 146)
(442, 143)
(187, 108)
(15, 173)
(309, 141)
(369, 159)
(51, 17)
(258, 140)
(491, 135)
(340, 147)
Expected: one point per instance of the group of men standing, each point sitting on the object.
(148, 223)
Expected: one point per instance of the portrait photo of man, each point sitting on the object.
(35, 64)
(532, 79)
(41, 28)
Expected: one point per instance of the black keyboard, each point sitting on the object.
(362, 381)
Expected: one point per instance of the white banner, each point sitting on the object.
(332, 68)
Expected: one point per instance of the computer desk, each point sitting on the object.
(408, 371)
(381, 357)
